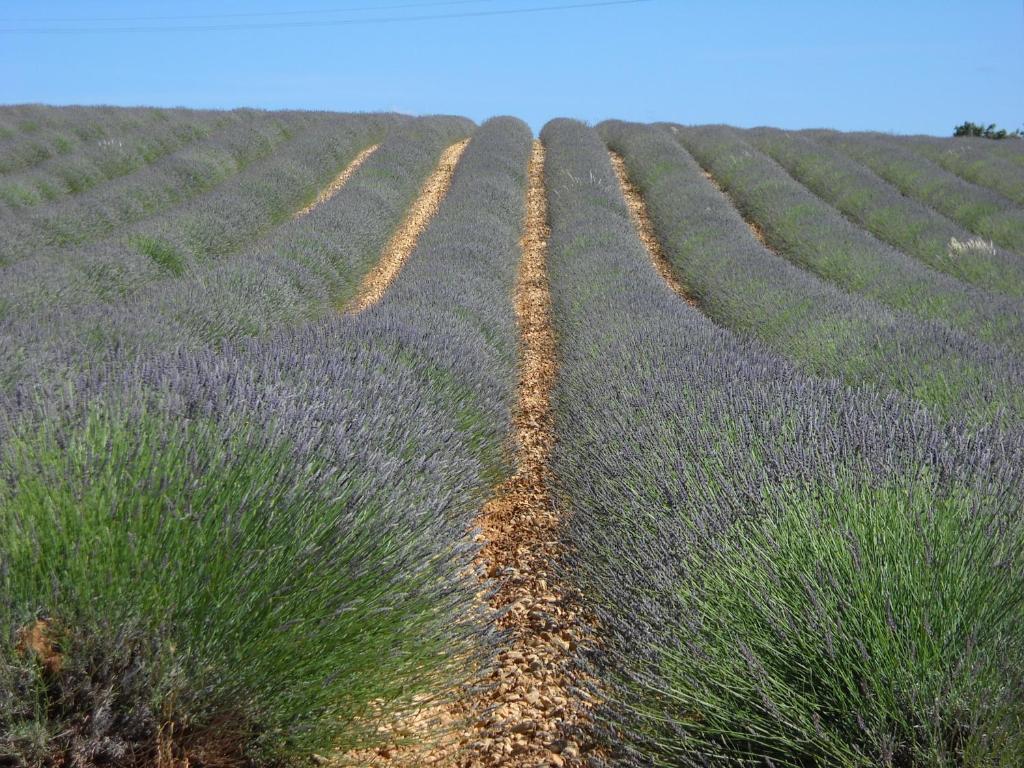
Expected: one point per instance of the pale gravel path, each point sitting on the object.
(645, 229)
(337, 182)
(403, 241)
(531, 712)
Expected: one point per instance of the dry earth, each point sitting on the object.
(404, 239)
(645, 229)
(337, 183)
(530, 714)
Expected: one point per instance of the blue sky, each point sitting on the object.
(904, 66)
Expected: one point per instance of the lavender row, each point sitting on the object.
(301, 271)
(86, 166)
(265, 146)
(997, 165)
(209, 226)
(71, 223)
(807, 231)
(31, 134)
(891, 216)
(738, 528)
(826, 331)
(405, 410)
(982, 211)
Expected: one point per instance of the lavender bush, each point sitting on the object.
(826, 331)
(806, 230)
(902, 222)
(309, 498)
(785, 571)
(978, 209)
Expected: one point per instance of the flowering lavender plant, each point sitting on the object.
(263, 547)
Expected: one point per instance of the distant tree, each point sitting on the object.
(986, 132)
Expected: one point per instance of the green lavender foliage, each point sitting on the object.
(34, 134)
(826, 331)
(891, 216)
(803, 228)
(121, 152)
(996, 165)
(261, 170)
(979, 209)
(207, 576)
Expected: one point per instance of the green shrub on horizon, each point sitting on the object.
(990, 131)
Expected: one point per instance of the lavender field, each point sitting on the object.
(369, 439)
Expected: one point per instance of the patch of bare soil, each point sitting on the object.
(37, 640)
(427, 738)
(337, 183)
(645, 229)
(404, 239)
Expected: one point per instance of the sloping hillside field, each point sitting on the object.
(366, 439)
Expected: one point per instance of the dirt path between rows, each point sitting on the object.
(530, 715)
(402, 242)
(645, 229)
(337, 183)
(527, 714)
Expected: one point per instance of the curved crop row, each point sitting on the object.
(300, 271)
(307, 498)
(257, 152)
(74, 222)
(993, 164)
(807, 231)
(746, 287)
(890, 215)
(247, 206)
(785, 571)
(105, 159)
(980, 210)
(31, 134)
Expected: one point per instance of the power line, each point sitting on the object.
(322, 23)
(250, 14)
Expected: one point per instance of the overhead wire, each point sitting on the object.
(245, 14)
(320, 23)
